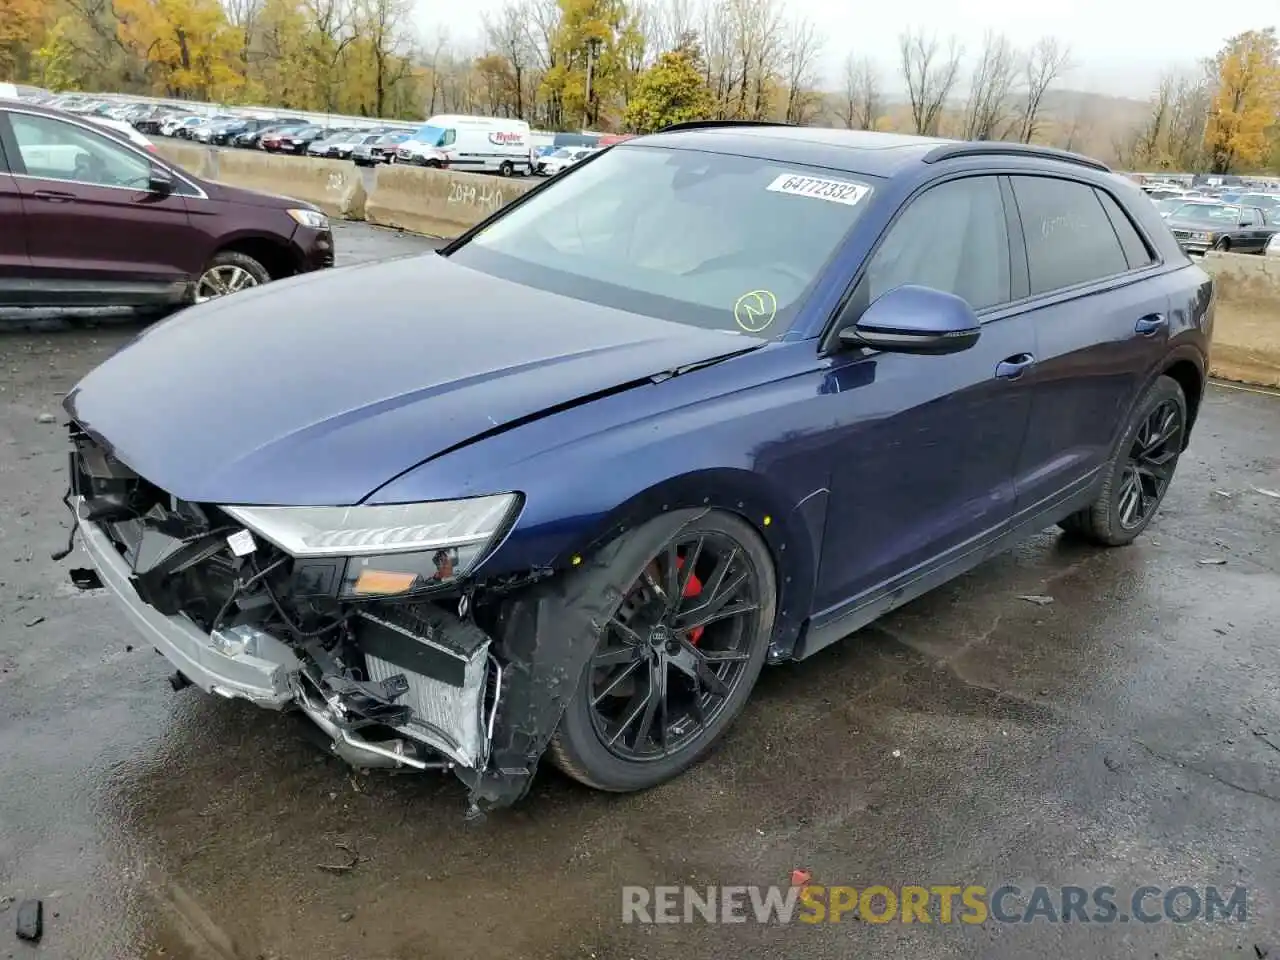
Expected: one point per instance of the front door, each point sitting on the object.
(923, 473)
(90, 214)
(15, 265)
(1101, 321)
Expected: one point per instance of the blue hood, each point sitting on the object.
(320, 389)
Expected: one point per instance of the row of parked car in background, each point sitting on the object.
(1240, 218)
(498, 145)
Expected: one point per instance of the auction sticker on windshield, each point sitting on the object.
(834, 191)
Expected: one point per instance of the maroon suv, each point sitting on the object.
(91, 219)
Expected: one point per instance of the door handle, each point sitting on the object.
(1151, 324)
(1013, 367)
(54, 196)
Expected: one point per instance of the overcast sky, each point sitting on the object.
(1119, 47)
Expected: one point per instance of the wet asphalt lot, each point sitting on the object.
(1127, 733)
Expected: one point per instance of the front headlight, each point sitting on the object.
(311, 218)
(386, 550)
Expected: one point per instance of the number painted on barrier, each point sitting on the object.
(485, 197)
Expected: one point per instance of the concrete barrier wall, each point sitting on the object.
(1246, 330)
(334, 186)
(439, 203)
(199, 160)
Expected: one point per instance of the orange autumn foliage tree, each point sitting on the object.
(1243, 113)
(188, 46)
(22, 25)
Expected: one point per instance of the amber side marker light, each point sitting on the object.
(377, 582)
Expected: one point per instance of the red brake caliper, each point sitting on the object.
(692, 587)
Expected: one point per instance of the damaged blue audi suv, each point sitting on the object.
(716, 397)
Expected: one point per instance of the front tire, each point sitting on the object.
(1139, 472)
(229, 272)
(677, 660)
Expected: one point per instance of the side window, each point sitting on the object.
(63, 151)
(450, 137)
(1069, 236)
(1135, 248)
(951, 238)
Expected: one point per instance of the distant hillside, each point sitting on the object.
(1089, 123)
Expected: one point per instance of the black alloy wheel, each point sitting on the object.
(676, 661)
(1151, 461)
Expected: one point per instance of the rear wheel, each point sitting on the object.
(1140, 470)
(675, 662)
(507, 168)
(229, 272)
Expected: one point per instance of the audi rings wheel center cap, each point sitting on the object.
(660, 636)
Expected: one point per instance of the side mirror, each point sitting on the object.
(913, 319)
(161, 181)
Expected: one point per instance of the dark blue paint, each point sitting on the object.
(866, 472)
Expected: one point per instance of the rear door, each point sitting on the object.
(15, 265)
(89, 212)
(1101, 319)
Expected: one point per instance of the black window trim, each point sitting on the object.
(827, 340)
(9, 143)
(1152, 255)
(1088, 287)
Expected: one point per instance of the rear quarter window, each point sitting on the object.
(1068, 234)
(1135, 248)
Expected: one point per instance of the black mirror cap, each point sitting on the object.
(161, 180)
(915, 319)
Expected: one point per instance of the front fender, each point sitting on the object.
(791, 530)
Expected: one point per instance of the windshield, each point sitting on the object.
(705, 239)
(1167, 207)
(1215, 212)
(429, 135)
(563, 154)
(1264, 200)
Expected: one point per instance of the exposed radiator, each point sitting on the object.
(446, 715)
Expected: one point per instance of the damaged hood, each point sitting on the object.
(320, 389)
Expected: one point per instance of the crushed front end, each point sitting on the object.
(393, 652)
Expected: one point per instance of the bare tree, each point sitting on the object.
(930, 75)
(861, 104)
(669, 20)
(988, 100)
(243, 15)
(508, 36)
(1188, 116)
(381, 23)
(1046, 62)
(1077, 130)
(718, 48)
(804, 46)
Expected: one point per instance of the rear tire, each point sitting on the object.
(694, 708)
(1141, 467)
(506, 169)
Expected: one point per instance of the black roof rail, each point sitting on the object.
(708, 124)
(997, 148)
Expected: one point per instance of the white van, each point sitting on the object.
(471, 144)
